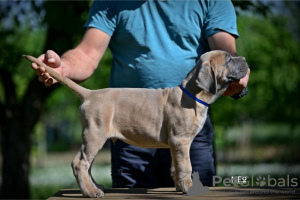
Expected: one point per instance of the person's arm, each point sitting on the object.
(226, 42)
(222, 41)
(77, 64)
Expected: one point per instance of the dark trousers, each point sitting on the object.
(150, 168)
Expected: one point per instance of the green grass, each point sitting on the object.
(46, 181)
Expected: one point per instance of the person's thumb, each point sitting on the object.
(52, 59)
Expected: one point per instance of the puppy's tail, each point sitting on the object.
(81, 92)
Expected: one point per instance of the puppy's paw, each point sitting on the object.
(94, 193)
(178, 188)
(185, 185)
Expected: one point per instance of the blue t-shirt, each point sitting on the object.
(156, 43)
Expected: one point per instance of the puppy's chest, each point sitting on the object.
(197, 121)
(187, 120)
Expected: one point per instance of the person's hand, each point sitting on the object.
(238, 86)
(51, 59)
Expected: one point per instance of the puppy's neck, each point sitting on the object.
(198, 92)
(205, 96)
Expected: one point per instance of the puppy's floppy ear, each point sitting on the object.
(206, 79)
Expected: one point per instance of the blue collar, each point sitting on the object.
(193, 97)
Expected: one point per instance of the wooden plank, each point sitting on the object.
(170, 193)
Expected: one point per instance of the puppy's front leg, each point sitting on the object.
(181, 164)
(174, 177)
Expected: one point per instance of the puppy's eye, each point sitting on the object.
(228, 60)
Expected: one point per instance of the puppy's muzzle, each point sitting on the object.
(240, 71)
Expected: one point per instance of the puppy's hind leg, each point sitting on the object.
(92, 143)
(100, 186)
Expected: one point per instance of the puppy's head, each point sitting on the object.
(218, 69)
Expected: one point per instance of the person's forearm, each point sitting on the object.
(80, 63)
(77, 65)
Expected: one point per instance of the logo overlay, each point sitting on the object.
(261, 181)
(197, 189)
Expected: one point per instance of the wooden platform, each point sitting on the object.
(170, 193)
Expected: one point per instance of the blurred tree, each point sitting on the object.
(21, 109)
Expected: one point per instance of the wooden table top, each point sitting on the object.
(170, 193)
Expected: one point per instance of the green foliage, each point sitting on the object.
(13, 45)
(273, 56)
